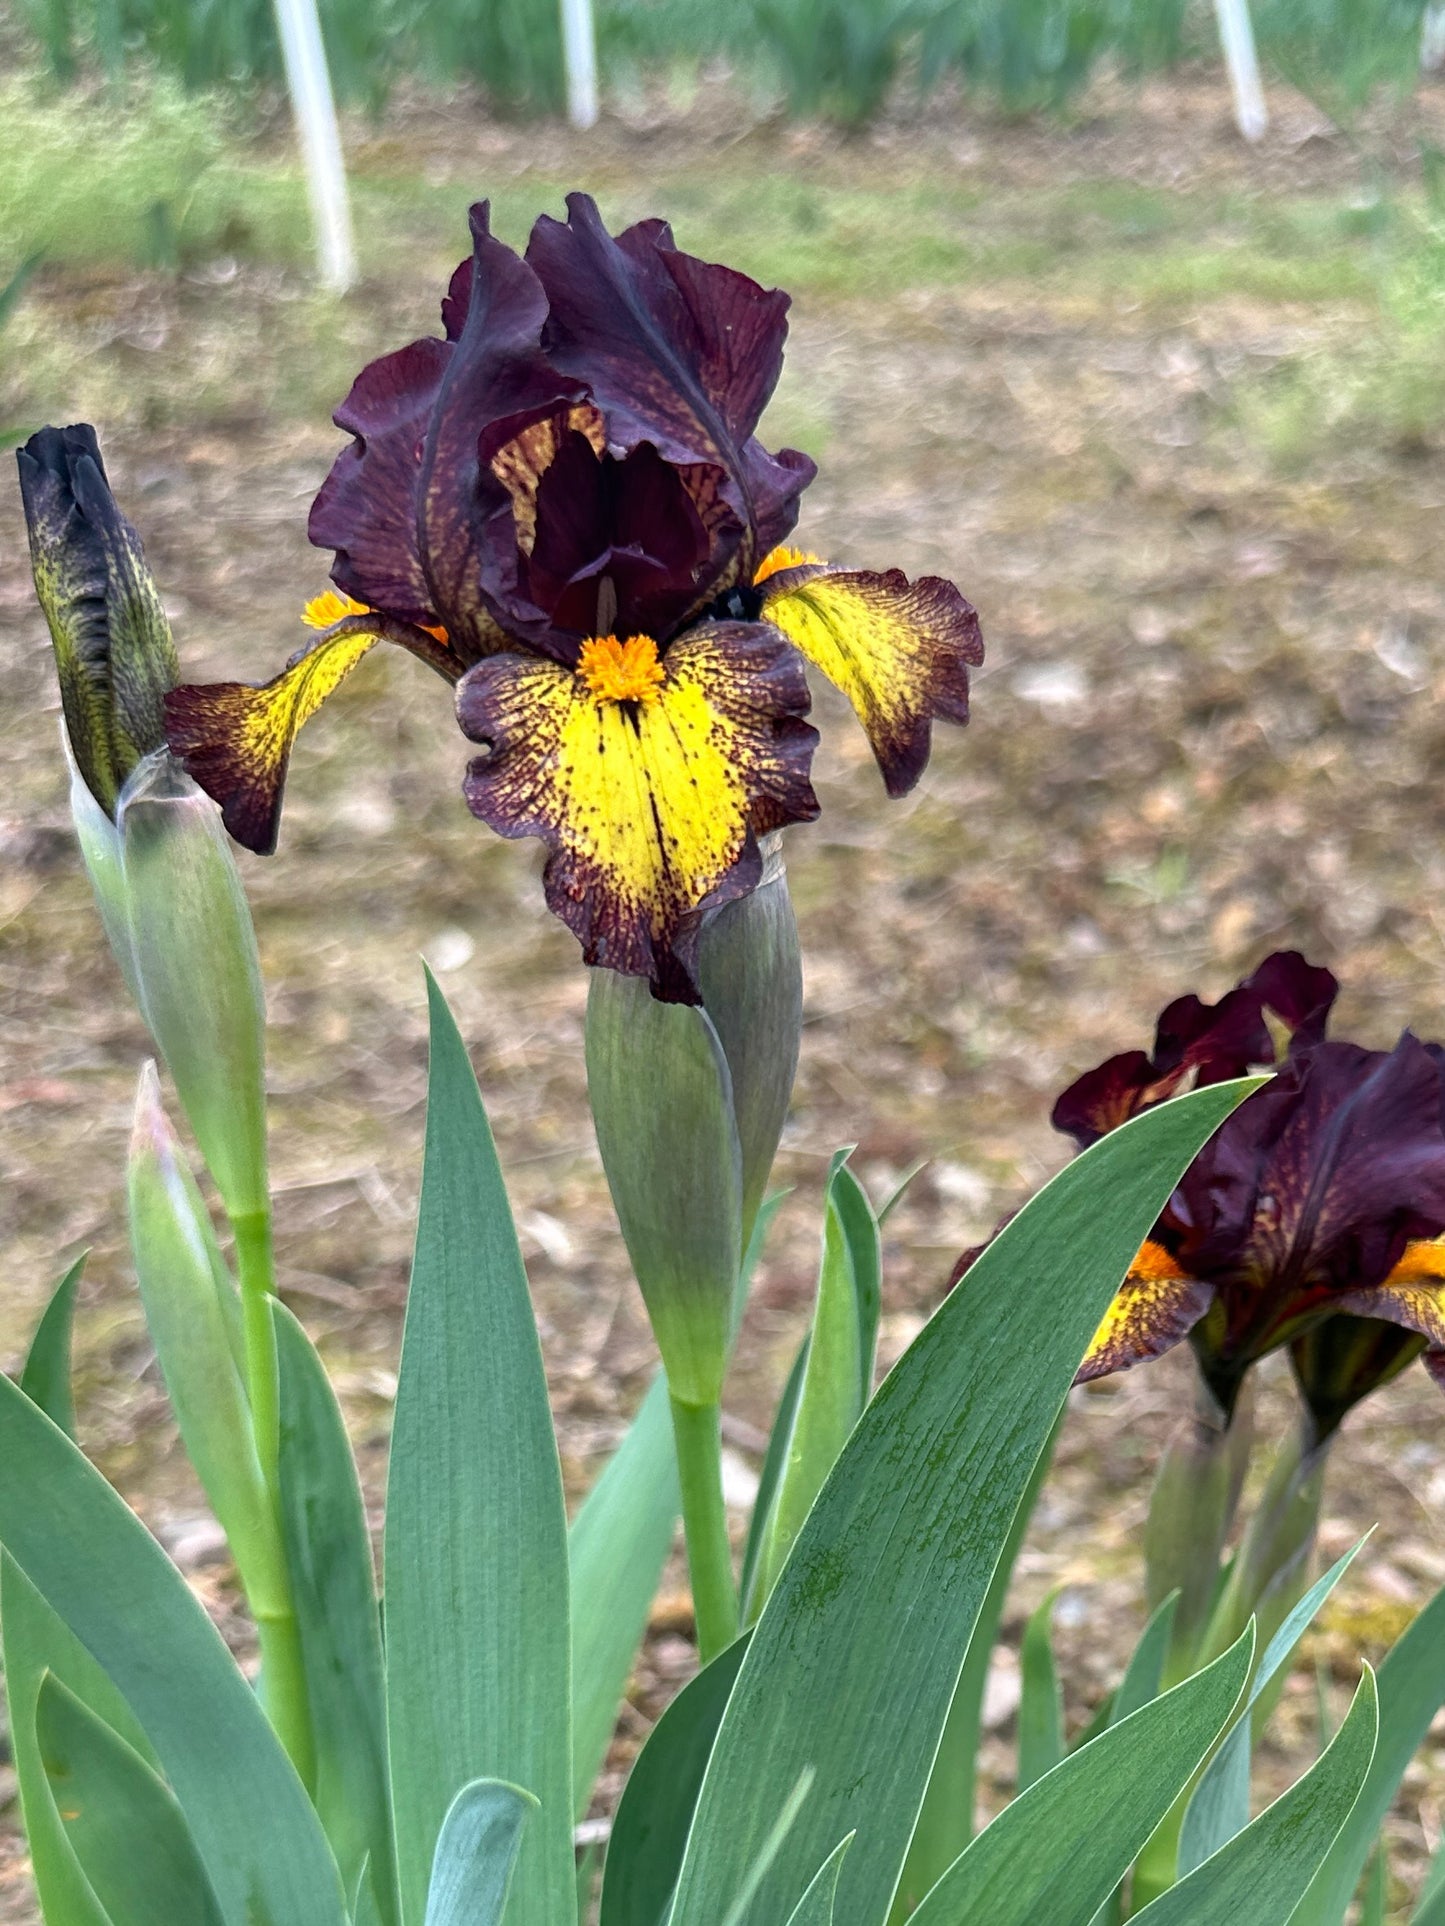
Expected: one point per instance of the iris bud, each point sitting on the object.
(113, 649)
(751, 976)
(662, 1102)
(197, 972)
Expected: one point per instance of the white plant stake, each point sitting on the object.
(314, 110)
(579, 50)
(1236, 32)
(1432, 38)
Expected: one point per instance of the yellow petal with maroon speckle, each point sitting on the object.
(650, 807)
(899, 650)
(235, 739)
(1413, 1295)
(1157, 1304)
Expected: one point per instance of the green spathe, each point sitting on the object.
(662, 1103)
(750, 971)
(197, 972)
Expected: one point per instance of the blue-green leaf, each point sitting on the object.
(838, 1370)
(945, 1823)
(477, 1853)
(1144, 1674)
(100, 1570)
(328, 1550)
(478, 1645)
(121, 1821)
(1058, 1851)
(1262, 1872)
(34, 1642)
(897, 1553)
(650, 1831)
(1412, 1690)
(1219, 1807)
(45, 1379)
(617, 1545)
(1041, 1699)
(815, 1908)
(774, 1460)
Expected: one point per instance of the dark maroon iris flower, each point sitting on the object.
(562, 506)
(1314, 1216)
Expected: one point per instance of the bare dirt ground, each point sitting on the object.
(1209, 725)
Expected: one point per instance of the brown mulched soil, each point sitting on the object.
(1207, 728)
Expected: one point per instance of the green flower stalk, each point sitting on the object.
(165, 882)
(1192, 1507)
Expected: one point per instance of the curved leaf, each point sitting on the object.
(478, 1645)
(477, 1853)
(650, 1831)
(99, 1569)
(1058, 1851)
(897, 1554)
(1262, 1873)
(121, 1821)
(815, 1908)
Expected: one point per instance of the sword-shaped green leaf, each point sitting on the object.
(478, 1644)
(1412, 1690)
(1219, 1807)
(815, 1908)
(1262, 1873)
(897, 1553)
(122, 1822)
(99, 1569)
(617, 1546)
(328, 1550)
(649, 1834)
(1057, 1852)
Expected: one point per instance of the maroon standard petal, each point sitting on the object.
(677, 352)
(401, 506)
(1286, 1000)
(1317, 1182)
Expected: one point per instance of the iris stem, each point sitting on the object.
(696, 1429)
(268, 1581)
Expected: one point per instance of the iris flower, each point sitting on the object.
(1313, 1218)
(562, 507)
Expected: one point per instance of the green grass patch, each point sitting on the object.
(102, 186)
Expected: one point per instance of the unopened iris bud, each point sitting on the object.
(197, 971)
(662, 1103)
(751, 976)
(113, 649)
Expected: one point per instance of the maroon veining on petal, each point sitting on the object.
(676, 351)
(401, 504)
